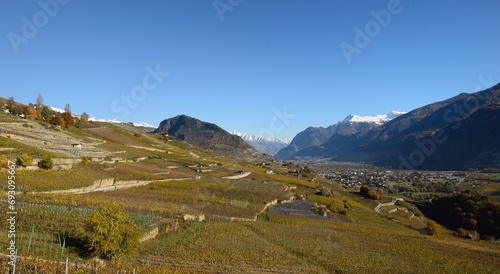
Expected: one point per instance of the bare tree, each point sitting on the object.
(12, 106)
(39, 101)
(67, 108)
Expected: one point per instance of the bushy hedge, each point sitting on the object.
(45, 163)
(367, 192)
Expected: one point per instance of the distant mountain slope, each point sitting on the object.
(142, 125)
(457, 133)
(202, 134)
(312, 136)
(473, 144)
(315, 136)
(267, 145)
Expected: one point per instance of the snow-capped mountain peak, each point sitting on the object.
(116, 121)
(377, 119)
(255, 138)
(268, 145)
(94, 119)
(143, 124)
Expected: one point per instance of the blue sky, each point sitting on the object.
(260, 66)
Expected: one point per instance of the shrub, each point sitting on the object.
(112, 233)
(28, 125)
(347, 208)
(86, 159)
(24, 160)
(461, 232)
(318, 210)
(332, 207)
(367, 192)
(45, 163)
(433, 228)
(4, 162)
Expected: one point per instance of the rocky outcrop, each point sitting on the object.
(201, 134)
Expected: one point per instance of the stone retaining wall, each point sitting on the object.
(103, 184)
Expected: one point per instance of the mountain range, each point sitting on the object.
(458, 133)
(315, 136)
(266, 145)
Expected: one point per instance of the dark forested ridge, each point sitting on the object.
(455, 134)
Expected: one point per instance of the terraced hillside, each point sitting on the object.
(203, 212)
(48, 138)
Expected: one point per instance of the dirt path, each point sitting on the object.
(380, 205)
